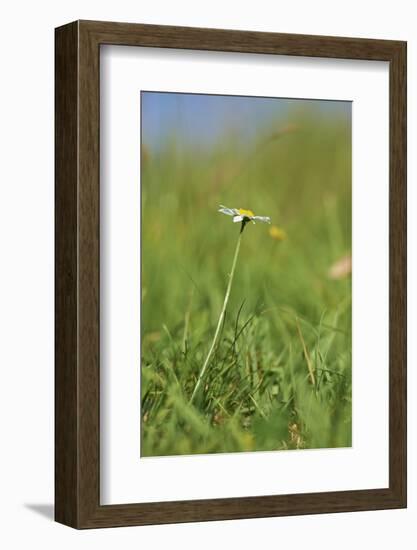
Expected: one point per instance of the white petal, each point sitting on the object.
(264, 219)
(238, 219)
(227, 211)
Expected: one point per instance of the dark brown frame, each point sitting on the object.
(77, 274)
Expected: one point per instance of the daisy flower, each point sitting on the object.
(243, 215)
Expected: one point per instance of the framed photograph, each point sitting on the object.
(230, 274)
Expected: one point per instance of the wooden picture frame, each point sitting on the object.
(77, 373)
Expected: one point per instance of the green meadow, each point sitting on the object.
(279, 377)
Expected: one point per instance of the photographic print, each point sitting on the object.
(203, 274)
(246, 216)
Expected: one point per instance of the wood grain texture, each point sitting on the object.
(66, 304)
(78, 286)
(398, 273)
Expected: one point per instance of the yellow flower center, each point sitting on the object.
(247, 213)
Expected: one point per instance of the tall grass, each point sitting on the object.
(280, 373)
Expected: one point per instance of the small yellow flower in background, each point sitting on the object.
(243, 215)
(277, 233)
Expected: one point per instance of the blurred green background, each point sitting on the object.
(280, 377)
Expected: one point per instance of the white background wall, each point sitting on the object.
(26, 272)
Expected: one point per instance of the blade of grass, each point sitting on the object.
(306, 354)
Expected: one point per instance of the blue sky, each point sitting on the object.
(203, 119)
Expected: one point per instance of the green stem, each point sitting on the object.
(220, 321)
